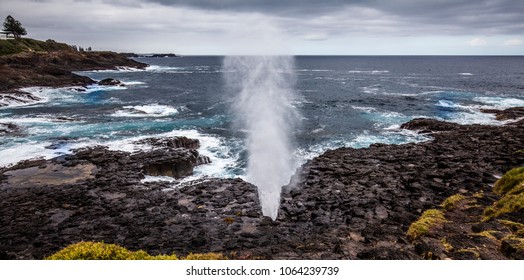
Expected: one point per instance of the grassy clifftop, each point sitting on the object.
(27, 44)
(27, 62)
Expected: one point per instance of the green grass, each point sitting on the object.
(103, 251)
(13, 46)
(428, 220)
(509, 180)
(507, 204)
(452, 201)
(511, 187)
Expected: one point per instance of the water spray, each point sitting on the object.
(264, 87)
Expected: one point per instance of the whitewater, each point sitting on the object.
(311, 104)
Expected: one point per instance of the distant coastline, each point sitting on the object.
(155, 55)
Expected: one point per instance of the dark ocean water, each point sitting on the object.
(343, 101)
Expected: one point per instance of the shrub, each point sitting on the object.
(102, 251)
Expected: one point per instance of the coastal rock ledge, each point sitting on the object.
(345, 204)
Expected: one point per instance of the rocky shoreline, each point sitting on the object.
(345, 204)
(53, 68)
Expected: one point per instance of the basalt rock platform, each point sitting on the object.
(345, 204)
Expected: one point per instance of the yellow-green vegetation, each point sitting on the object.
(207, 256)
(509, 181)
(450, 202)
(507, 204)
(428, 220)
(511, 187)
(479, 194)
(473, 251)
(513, 226)
(487, 234)
(447, 247)
(103, 251)
(26, 44)
(518, 242)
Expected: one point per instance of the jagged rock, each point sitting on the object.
(9, 129)
(172, 142)
(177, 163)
(423, 125)
(17, 98)
(110, 82)
(54, 68)
(506, 114)
(345, 204)
(513, 248)
(203, 160)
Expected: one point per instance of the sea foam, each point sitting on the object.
(149, 110)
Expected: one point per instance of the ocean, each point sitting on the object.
(342, 101)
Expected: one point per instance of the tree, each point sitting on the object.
(14, 26)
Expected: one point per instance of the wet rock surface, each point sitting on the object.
(9, 129)
(175, 142)
(52, 69)
(507, 114)
(110, 82)
(367, 198)
(345, 204)
(17, 98)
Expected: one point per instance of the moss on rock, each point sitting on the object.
(511, 187)
(509, 180)
(428, 220)
(450, 202)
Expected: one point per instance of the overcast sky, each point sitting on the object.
(324, 27)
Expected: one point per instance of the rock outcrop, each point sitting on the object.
(507, 114)
(9, 129)
(53, 67)
(345, 204)
(425, 125)
(110, 82)
(174, 142)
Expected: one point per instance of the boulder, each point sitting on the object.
(176, 163)
(110, 82)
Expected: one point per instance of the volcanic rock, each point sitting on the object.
(9, 129)
(424, 125)
(506, 114)
(172, 142)
(110, 82)
(345, 204)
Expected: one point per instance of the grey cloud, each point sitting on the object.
(446, 16)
